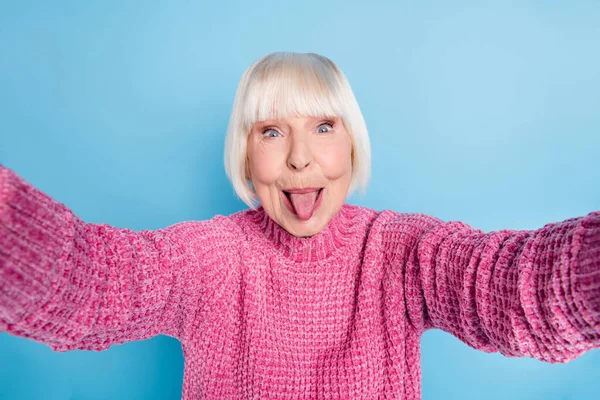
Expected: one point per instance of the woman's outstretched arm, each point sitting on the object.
(523, 293)
(76, 285)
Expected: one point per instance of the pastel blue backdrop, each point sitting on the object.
(482, 112)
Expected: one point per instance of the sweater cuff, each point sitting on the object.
(586, 248)
(35, 238)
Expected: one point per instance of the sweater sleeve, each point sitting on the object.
(523, 293)
(75, 285)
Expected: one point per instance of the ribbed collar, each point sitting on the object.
(338, 233)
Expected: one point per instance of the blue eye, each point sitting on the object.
(326, 124)
(270, 133)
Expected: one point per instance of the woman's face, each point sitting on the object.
(301, 168)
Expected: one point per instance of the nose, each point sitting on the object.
(300, 154)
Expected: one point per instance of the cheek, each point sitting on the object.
(336, 160)
(265, 165)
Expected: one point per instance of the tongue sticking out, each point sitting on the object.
(304, 204)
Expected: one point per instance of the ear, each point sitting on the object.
(247, 169)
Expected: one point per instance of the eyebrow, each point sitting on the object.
(275, 122)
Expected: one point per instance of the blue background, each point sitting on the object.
(482, 112)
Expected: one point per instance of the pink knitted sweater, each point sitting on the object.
(263, 314)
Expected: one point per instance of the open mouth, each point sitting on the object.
(287, 194)
(303, 203)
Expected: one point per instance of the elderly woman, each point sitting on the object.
(300, 296)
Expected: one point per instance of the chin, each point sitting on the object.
(308, 228)
(306, 232)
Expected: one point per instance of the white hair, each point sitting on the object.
(286, 84)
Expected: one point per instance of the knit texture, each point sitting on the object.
(263, 314)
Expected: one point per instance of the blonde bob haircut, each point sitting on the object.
(284, 84)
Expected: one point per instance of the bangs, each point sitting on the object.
(291, 86)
